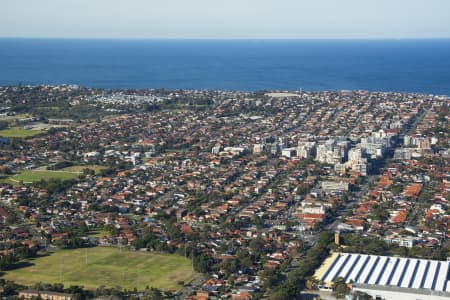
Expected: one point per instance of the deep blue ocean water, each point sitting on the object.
(381, 65)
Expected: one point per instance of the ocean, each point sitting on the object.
(245, 65)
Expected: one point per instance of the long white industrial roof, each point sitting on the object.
(409, 273)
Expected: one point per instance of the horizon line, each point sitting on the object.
(225, 38)
(269, 90)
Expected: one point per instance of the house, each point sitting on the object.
(45, 295)
(403, 241)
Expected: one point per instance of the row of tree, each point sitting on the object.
(295, 282)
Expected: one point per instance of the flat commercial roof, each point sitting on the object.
(410, 273)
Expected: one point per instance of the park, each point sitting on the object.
(106, 266)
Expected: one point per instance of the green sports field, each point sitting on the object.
(29, 176)
(79, 169)
(106, 266)
(99, 233)
(19, 132)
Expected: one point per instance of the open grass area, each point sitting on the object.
(4, 178)
(99, 233)
(79, 169)
(19, 132)
(30, 176)
(106, 266)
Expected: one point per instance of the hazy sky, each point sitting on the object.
(225, 18)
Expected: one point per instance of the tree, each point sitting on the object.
(153, 294)
(375, 247)
(257, 246)
(7, 261)
(381, 214)
(202, 263)
(425, 197)
(296, 280)
(3, 125)
(10, 288)
(270, 278)
(340, 288)
(311, 282)
(258, 222)
(280, 294)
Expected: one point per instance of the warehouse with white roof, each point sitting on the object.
(389, 277)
